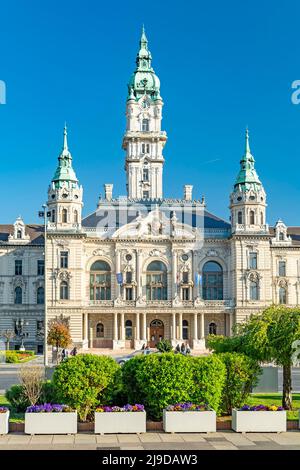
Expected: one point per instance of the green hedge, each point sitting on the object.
(86, 381)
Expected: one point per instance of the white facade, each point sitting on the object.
(146, 267)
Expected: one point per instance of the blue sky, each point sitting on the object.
(222, 66)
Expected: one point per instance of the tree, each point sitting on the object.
(164, 345)
(32, 378)
(271, 336)
(59, 334)
(8, 335)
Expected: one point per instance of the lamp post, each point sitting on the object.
(45, 214)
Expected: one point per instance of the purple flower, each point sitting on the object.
(188, 406)
(47, 408)
(118, 409)
(3, 409)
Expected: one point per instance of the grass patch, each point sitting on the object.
(275, 399)
(13, 417)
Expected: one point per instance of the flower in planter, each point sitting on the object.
(3, 409)
(48, 408)
(120, 409)
(261, 408)
(187, 407)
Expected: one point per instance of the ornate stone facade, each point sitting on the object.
(144, 267)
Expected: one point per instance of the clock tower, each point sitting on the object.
(65, 194)
(144, 140)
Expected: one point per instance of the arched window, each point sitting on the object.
(128, 329)
(19, 234)
(240, 217)
(100, 281)
(185, 329)
(156, 281)
(282, 295)
(99, 330)
(145, 125)
(251, 217)
(53, 216)
(281, 236)
(64, 290)
(40, 296)
(261, 218)
(18, 295)
(75, 217)
(212, 281)
(64, 216)
(253, 290)
(212, 328)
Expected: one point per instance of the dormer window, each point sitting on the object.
(281, 236)
(19, 234)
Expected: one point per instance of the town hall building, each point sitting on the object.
(143, 267)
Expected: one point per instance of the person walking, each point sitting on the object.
(183, 351)
(177, 349)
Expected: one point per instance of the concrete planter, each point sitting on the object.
(51, 423)
(259, 421)
(189, 421)
(4, 417)
(120, 422)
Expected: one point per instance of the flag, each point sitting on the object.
(119, 278)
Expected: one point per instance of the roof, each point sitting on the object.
(35, 232)
(293, 232)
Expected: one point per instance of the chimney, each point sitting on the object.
(108, 189)
(187, 192)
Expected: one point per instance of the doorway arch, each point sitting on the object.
(156, 332)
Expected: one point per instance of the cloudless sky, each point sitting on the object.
(223, 65)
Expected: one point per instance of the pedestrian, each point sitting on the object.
(177, 349)
(74, 351)
(188, 349)
(63, 354)
(183, 348)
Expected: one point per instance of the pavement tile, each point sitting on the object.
(46, 439)
(150, 437)
(63, 439)
(238, 439)
(224, 445)
(128, 438)
(19, 439)
(107, 439)
(176, 446)
(85, 438)
(256, 437)
(170, 437)
(193, 437)
(132, 448)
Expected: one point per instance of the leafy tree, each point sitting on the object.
(86, 381)
(270, 336)
(59, 334)
(164, 345)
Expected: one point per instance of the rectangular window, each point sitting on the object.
(18, 267)
(253, 260)
(185, 293)
(282, 268)
(64, 259)
(145, 194)
(185, 277)
(128, 293)
(145, 174)
(128, 277)
(40, 267)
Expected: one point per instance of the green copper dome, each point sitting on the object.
(247, 177)
(144, 80)
(64, 172)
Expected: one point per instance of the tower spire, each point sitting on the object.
(64, 171)
(65, 145)
(247, 177)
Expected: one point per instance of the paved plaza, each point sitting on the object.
(227, 440)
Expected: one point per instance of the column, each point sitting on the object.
(230, 324)
(144, 326)
(202, 334)
(85, 325)
(195, 326)
(180, 326)
(174, 272)
(122, 326)
(173, 326)
(91, 338)
(137, 333)
(138, 273)
(115, 326)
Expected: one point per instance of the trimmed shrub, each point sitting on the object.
(164, 345)
(158, 380)
(209, 375)
(48, 393)
(17, 398)
(86, 381)
(11, 357)
(242, 373)
(27, 353)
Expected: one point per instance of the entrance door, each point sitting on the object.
(156, 332)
